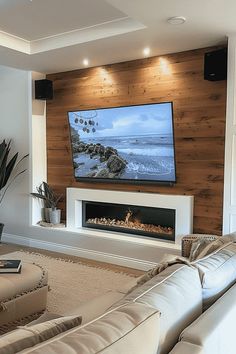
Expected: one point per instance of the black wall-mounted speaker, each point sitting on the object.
(215, 65)
(43, 89)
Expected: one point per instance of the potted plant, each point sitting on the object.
(50, 201)
(8, 171)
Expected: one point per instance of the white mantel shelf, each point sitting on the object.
(183, 205)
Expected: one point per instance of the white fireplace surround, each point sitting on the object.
(183, 206)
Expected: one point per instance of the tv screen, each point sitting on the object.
(126, 144)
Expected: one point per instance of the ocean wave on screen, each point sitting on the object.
(158, 151)
(161, 168)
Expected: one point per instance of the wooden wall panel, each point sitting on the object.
(199, 123)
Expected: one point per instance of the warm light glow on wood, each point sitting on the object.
(106, 75)
(165, 66)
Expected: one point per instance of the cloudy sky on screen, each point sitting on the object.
(127, 121)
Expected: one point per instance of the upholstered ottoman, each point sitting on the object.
(22, 295)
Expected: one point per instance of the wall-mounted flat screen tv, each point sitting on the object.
(124, 144)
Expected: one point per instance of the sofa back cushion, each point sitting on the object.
(177, 294)
(131, 328)
(217, 273)
(214, 330)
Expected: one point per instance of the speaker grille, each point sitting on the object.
(43, 89)
(215, 65)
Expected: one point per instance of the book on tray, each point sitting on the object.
(10, 266)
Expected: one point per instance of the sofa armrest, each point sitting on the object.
(214, 330)
(186, 348)
(189, 239)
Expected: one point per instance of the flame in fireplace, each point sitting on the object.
(131, 221)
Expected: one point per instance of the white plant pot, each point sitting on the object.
(55, 216)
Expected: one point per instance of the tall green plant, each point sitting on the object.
(8, 167)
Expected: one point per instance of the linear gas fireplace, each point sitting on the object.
(158, 216)
(133, 219)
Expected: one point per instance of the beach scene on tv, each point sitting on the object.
(124, 143)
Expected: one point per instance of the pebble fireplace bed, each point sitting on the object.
(140, 220)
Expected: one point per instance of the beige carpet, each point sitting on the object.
(73, 283)
(8, 248)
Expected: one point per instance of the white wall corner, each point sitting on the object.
(38, 147)
(229, 207)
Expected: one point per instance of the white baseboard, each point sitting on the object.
(79, 252)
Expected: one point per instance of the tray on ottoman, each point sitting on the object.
(22, 295)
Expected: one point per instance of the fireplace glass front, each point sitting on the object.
(130, 219)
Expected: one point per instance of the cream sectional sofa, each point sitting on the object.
(164, 315)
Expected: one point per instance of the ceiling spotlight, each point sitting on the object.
(146, 51)
(176, 20)
(85, 62)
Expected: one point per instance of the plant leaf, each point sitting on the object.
(37, 195)
(9, 168)
(9, 184)
(5, 148)
(46, 193)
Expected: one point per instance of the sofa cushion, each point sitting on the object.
(214, 330)
(217, 272)
(26, 337)
(177, 294)
(131, 328)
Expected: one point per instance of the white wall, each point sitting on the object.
(23, 120)
(229, 216)
(14, 122)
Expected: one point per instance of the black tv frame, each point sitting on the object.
(126, 181)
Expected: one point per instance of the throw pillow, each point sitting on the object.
(197, 247)
(203, 248)
(166, 262)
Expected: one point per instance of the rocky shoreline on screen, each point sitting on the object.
(114, 164)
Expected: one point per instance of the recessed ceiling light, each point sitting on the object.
(85, 62)
(146, 51)
(176, 20)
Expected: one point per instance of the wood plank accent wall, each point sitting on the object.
(199, 123)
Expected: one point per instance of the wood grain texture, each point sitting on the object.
(199, 124)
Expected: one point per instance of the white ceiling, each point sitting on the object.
(56, 35)
(37, 19)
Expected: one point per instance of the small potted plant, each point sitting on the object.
(8, 171)
(50, 201)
